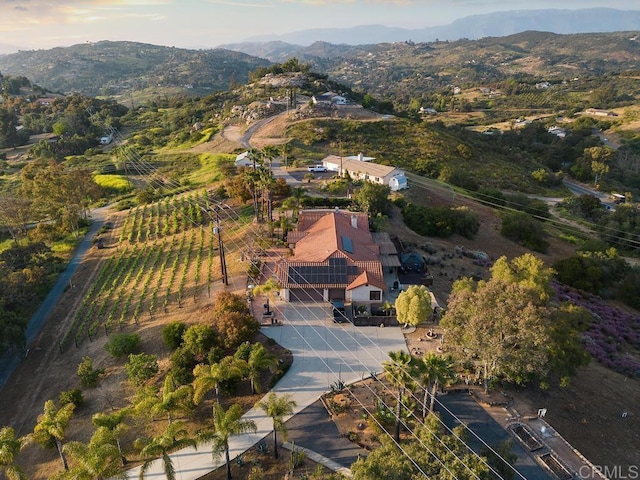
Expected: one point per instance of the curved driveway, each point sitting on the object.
(323, 352)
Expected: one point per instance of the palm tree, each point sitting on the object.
(225, 424)
(434, 370)
(260, 359)
(388, 307)
(398, 370)
(209, 377)
(51, 426)
(277, 408)
(115, 423)
(285, 151)
(298, 194)
(265, 182)
(270, 153)
(269, 289)
(251, 179)
(9, 448)
(97, 460)
(151, 402)
(173, 438)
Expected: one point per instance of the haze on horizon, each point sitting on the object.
(41, 24)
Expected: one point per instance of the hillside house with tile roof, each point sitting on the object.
(334, 257)
(362, 168)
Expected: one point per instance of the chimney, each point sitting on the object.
(360, 156)
(354, 221)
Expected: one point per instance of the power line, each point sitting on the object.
(146, 170)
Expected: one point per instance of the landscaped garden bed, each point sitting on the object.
(526, 438)
(555, 466)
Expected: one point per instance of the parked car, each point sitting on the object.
(339, 312)
(317, 168)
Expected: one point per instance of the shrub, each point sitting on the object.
(235, 328)
(199, 339)
(141, 367)
(122, 344)
(73, 396)
(172, 334)
(466, 222)
(441, 221)
(532, 206)
(89, 376)
(629, 289)
(490, 195)
(525, 231)
(579, 272)
(182, 364)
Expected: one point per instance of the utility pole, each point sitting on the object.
(218, 231)
(340, 140)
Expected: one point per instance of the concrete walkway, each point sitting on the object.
(324, 353)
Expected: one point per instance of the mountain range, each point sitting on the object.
(498, 24)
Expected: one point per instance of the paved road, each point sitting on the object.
(326, 439)
(324, 353)
(479, 421)
(11, 360)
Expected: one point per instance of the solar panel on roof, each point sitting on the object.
(336, 272)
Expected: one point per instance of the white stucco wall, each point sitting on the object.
(361, 294)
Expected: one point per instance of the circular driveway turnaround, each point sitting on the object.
(323, 353)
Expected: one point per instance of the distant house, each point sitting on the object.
(600, 112)
(521, 123)
(244, 160)
(428, 111)
(542, 85)
(45, 101)
(328, 99)
(334, 257)
(367, 170)
(557, 131)
(106, 140)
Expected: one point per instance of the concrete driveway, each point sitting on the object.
(323, 354)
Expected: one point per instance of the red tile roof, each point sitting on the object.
(330, 234)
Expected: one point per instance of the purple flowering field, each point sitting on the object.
(613, 339)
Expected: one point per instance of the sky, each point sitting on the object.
(43, 24)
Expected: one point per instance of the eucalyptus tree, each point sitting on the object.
(277, 408)
(501, 327)
(225, 424)
(398, 370)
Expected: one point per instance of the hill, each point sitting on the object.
(107, 68)
(495, 24)
(406, 69)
